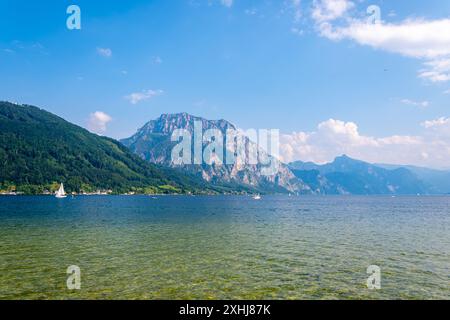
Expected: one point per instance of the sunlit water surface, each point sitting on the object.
(225, 247)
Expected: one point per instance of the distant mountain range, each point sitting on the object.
(343, 176)
(436, 181)
(38, 150)
(348, 176)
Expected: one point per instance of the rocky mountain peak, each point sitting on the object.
(167, 123)
(153, 143)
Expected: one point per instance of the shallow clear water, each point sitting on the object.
(225, 247)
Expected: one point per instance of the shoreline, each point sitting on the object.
(230, 195)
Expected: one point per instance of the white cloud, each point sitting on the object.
(439, 128)
(413, 38)
(334, 137)
(227, 3)
(436, 70)
(329, 10)
(137, 97)
(417, 38)
(447, 91)
(104, 52)
(98, 121)
(420, 104)
(437, 123)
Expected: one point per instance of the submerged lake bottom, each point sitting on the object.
(225, 247)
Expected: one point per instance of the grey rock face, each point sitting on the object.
(153, 143)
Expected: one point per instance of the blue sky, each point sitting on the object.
(258, 64)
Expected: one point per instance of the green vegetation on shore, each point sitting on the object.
(39, 150)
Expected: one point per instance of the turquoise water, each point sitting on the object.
(226, 247)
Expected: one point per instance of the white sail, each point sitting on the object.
(61, 193)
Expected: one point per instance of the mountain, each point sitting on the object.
(38, 150)
(437, 181)
(348, 176)
(153, 143)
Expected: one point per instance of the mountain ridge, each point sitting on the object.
(349, 176)
(437, 180)
(342, 176)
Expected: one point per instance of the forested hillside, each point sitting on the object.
(38, 150)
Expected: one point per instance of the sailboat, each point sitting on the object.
(61, 193)
(257, 197)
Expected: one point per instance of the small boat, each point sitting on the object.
(61, 193)
(257, 197)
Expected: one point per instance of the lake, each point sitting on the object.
(225, 247)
